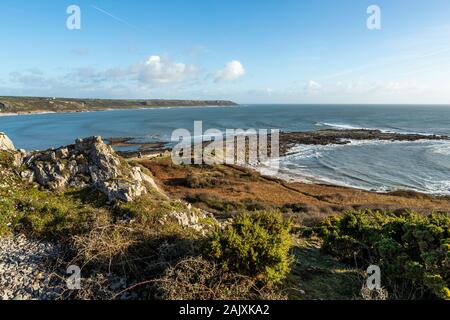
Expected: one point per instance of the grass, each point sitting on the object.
(44, 214)
(317, 276)
(29, 208)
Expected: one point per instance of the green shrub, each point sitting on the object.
(412, 250)
(255, 244)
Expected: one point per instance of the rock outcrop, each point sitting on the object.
(87, 163)
(193, 218)
(342, 137)
(6, 143)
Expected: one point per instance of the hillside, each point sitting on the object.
(150, 229)
(22, 105)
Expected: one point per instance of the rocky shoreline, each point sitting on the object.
(137, 149)
(288, 140)
(342, 137)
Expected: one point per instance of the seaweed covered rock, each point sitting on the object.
(87, 163)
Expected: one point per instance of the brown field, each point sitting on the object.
(227, 189)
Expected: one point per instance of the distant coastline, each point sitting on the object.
(31, 113)
(14, 106)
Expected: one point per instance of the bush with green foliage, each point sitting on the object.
(255, 244)
(412, 250)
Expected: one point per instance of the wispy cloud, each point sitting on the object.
(115, 17)
(386, 62)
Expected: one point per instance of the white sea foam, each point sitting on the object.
(343, 126)
(376, 142)
(302, 151)
(441, 148)
(299, 165)
(438, 187)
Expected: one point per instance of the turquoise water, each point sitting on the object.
(422, 165)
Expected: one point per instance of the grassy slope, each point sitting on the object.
(38, 104)
(134, 246)
(127, 238)
(84, 217)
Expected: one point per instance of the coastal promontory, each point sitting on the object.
(25, 105)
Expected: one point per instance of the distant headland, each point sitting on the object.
(29, 105)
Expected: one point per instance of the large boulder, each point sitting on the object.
(6, 143)
(88, 163)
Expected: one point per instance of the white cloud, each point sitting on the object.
(233, 70)
(30, 78)
(162, 71)
(379, 87)
(312, 86)
(152, 73)
(156, 70)
(303, 89)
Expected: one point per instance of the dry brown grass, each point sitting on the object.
(185, 282)
(239, 185)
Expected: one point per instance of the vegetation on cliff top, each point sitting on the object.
(43, 104)
(260, 251)
(256, 244)
(412, 250)
(141, 240)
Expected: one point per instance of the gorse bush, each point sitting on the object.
(255, 244)
(412, 250)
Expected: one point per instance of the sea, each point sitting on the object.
(382, 166)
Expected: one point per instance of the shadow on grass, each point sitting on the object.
(89, 196)
(315, 275)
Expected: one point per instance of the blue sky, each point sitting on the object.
(251, 51)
